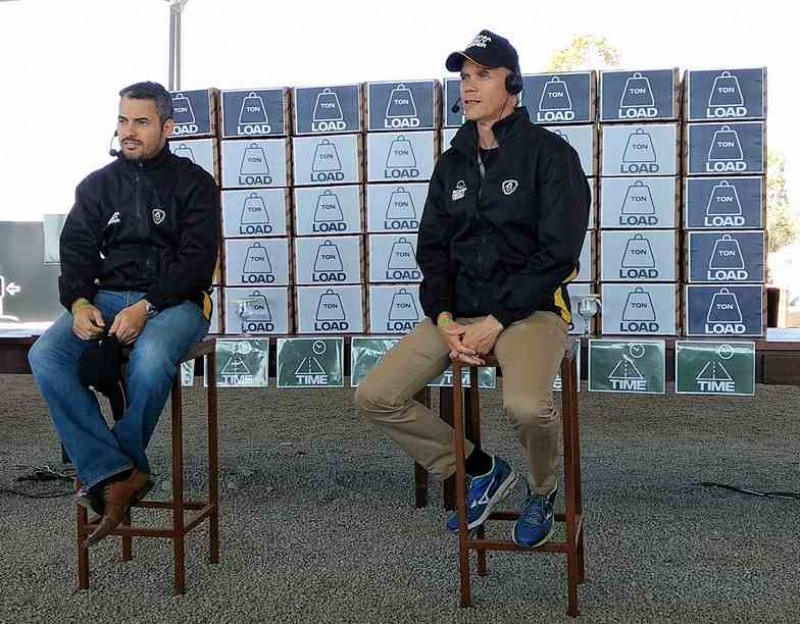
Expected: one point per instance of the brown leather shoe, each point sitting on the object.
(89, 500)
(118, 496)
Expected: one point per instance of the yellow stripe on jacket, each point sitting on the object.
(560, 302)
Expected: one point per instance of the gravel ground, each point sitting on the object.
(318, 522)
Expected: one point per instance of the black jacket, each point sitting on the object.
(150, 226)
(504, 245)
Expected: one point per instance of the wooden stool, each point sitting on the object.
(208, 509)
(573, 518)
(420, 474)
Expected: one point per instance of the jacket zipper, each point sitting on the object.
(479, 210)
(141, 215)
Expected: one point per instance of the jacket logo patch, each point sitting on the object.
(158, 216)
(460, 190)
(114, 219)
(509, 186)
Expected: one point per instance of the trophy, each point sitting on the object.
(246, 311)
(588, 306)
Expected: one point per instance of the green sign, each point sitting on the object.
(243, 362)
(487, 378)
(576, 350)
(631, 366)
(727, 368)
(311, 362)
(365, 353)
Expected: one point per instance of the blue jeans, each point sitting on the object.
(96, 451)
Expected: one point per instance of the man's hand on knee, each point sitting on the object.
(452, 333)
(87, 321)
(481, 337)
(129, 322)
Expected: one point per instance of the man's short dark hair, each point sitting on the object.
(151, 91)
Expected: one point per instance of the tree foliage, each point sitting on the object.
(585, 52)
(781, 222)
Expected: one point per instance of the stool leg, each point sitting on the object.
(480, 534)
(576, 461)
(83, 552)
(446, 414)
(177, 487)
(578, 488)
(127, 540)
(473, 432)
(420, 486)
(568, 409)
(420, 474)
(579, 508)
(460, 485)
(213, 458)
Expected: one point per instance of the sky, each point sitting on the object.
(62, 62)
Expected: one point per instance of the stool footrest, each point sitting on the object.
(557, 547)
(190, 505)
(205, 513)
(126, 531)
(514, 515)
(561, 547)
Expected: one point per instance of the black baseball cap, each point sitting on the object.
(100, 367)
(488, 50)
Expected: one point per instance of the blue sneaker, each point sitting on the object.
(536, 522)
(483, 493)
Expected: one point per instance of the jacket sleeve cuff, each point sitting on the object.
(68, 298)
(156, 298)
(503, 317)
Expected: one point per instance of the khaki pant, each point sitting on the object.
(529, 352)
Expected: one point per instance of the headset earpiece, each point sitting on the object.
(513, 83)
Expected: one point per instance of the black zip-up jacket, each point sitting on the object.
(147, 225)
(507, 244)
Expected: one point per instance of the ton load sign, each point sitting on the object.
(402, 106)
(637, 96)
(191, 112)
(253, 113)
(559, 98)
(726, 94)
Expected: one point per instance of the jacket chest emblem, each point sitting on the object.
(460, 190)
(158, 216)
(509, 186)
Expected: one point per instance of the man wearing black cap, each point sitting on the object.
(500, 236)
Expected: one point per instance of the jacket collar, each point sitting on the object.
(466, 139)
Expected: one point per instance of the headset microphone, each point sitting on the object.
(111, 151)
